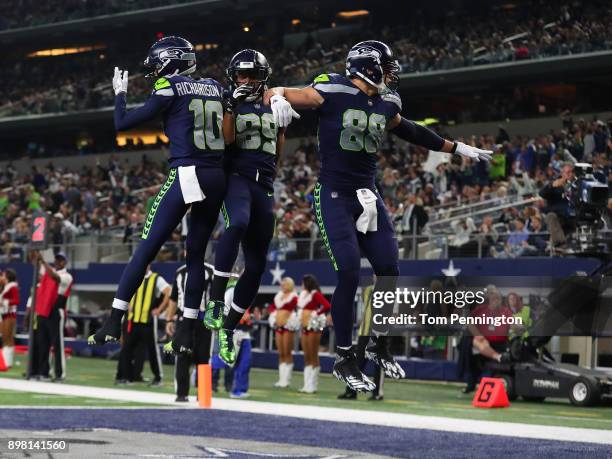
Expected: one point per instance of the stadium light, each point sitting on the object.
(352, 14)
(64, 51)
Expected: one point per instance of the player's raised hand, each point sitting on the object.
(282, 111)
(235, 96)
(472, 152)
(120, 81)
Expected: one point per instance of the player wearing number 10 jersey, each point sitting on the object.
(192, 113)
(254, 142)
(354, 111)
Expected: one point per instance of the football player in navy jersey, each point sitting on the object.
(354, 111)
(192, 113)
(254, 142)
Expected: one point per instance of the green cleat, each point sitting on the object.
(226, 346)
(213, 315)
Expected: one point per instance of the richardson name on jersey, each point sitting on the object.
(199, 89)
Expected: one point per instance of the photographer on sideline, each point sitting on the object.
(558, 218)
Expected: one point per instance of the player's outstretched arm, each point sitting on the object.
(282, 100)
(159, 101)
(424, 137)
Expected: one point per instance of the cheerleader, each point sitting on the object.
(283, 319)
(313, 308)
(9, 300)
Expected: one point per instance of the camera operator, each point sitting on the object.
(557, 210)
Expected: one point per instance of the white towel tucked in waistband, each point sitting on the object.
(190, 187)
(368, 220)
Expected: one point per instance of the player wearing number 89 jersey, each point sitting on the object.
(354, 111)
(249, 201)
(192, 113)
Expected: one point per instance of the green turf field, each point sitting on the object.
(415, 397)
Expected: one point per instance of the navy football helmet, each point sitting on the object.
(374, 62)
(254, 65)
(171, 56)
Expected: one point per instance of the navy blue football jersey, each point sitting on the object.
(192, 114)
(254, 155)
(351, 127)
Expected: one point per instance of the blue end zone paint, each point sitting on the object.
(347, 436)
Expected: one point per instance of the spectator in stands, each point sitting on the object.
(462, 244)
(517, 240)
(557, 208)
(413, 219)
(487, 236)
(536, 242)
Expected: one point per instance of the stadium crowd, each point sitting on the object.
(417, 188)
(65, 10)
(460, 39)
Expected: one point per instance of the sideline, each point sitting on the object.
(378, 418)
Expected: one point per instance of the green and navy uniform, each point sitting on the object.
(248, 206)
(192, 114)
(351, 128)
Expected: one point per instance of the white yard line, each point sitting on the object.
(378, 418)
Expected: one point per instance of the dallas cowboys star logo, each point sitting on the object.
(277, 274)
(451, 271)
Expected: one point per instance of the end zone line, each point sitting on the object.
(378, 418)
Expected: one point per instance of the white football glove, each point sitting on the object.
(120, 81)
(282, 111)
(472, 152)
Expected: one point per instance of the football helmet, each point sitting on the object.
(373, 61)
(255, 65)
(170, 56)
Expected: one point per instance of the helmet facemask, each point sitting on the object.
(258, 79)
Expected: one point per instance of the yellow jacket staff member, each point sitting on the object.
(140, 332)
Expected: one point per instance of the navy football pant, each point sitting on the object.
(165, 215)
(336, 214)
(248, 210)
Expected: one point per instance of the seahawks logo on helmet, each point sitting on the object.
(171, 56)
(364, 52)
(373, 62)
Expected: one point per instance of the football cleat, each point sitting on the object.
(346, 370)
(182, 341)
(110, 331)
(213, 314)
(379, 354)
(227, 353)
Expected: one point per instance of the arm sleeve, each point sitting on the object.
(65, 282)
(418, 135)
(160, 286)
(152, 107)
(324, 305)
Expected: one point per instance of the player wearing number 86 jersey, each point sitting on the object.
(192, 113)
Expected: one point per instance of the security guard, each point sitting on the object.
(140, 330)
(202, 335)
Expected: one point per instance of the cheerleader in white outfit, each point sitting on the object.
(313, 308)
(283, 319)
(9, 300)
